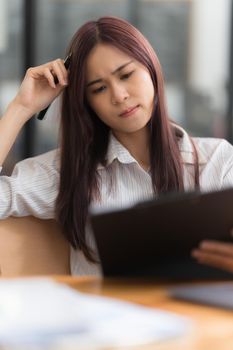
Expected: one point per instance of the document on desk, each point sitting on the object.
(43, 312)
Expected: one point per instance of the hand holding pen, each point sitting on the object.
(40, 86)
(42, 113)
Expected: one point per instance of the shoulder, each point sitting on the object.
(208, 149)
(48, 162)
(211, 142)
(213, 147)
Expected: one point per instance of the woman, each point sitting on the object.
(118, 145)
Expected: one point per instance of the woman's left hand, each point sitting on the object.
(214, 253)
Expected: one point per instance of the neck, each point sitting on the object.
(137, 144)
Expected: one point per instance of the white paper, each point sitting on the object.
(40, 311)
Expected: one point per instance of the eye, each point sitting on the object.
(126, 76)
(98, 90)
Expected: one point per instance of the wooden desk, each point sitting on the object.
(212, 330)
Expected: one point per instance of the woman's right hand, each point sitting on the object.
(36, 92)
(38, 88)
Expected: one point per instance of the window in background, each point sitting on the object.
(167, 26)
(192, 38)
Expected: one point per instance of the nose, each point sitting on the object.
(119, 94)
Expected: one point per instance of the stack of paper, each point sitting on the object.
(42, 312)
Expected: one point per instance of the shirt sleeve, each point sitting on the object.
(32, 188)
(227, 161)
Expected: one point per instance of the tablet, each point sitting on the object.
(154, 238)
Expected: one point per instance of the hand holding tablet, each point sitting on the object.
(216, 254)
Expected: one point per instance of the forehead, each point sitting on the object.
(104, 59)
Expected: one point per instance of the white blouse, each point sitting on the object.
(33, 186)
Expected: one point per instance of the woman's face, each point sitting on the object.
(119, 89)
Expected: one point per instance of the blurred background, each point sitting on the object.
(193, 40)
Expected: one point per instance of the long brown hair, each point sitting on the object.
(84, 137)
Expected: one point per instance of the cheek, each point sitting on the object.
(98, 105)
(149, 83)
(145, 83)
(151, 91)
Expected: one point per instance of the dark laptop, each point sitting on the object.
(154, 238)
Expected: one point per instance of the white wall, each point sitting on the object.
(209, 54)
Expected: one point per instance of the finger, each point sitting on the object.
(214, 260)
(42, 72)
(58, 72)
(217, 247)
(50, 78)
(63, 68)
(64, 71)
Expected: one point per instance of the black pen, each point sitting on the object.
(42, 113)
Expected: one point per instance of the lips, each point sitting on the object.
(129, 111)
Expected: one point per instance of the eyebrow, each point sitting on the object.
(114, 72)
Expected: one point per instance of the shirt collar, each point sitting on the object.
(116, 151)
